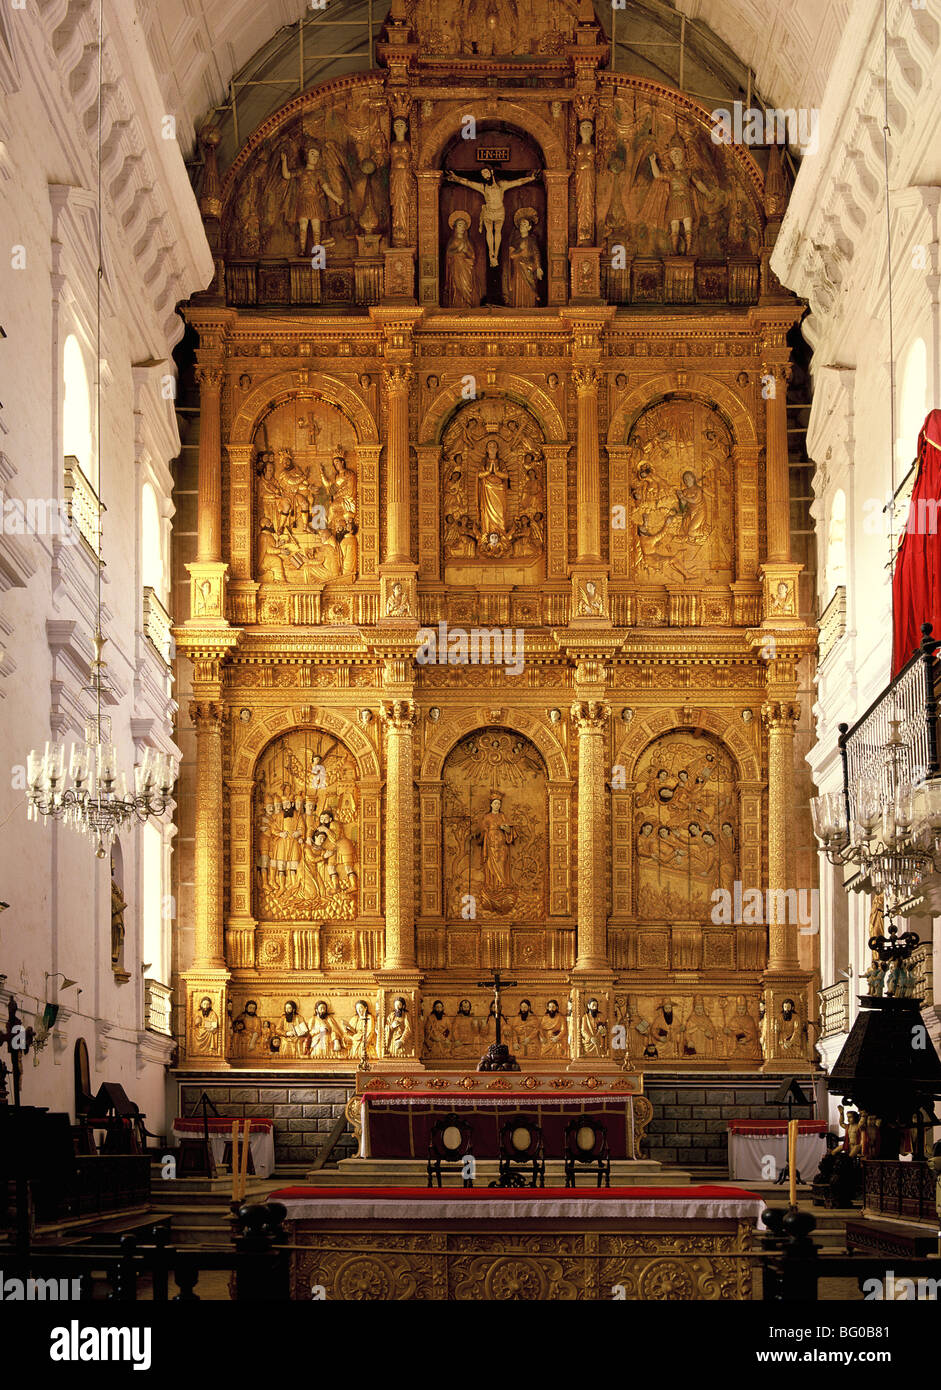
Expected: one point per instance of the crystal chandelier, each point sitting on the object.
(94, 798)
(888, 828)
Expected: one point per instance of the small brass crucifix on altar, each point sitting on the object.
(496, 984)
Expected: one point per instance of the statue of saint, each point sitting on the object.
(398, 1030)
(118, 908)
(326, 1035)
(400, 181)
(492, 212)
(492, 491)
(206, 1027)
(360, 1030)
(310, 206)
(523, 271)
(465, 1033)
(437, 1031)
(553, 1031)
(496, 836)
(461, 282)
(585, 185)
(594, 1031)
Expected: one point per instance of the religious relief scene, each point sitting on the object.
(306, 494)
(493, 494)
(446, 581)
(494, 829)
(306, 830)
(681, 473)
(685, 817)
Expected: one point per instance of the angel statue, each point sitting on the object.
(671, 199)
(313, 188)
(492, 212)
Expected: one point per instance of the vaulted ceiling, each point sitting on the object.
(201, 47)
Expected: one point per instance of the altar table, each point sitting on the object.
(260, 1139)
(750, 1141)
(521, 1244)
(397, 1124)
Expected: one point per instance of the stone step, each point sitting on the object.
(412, 1172)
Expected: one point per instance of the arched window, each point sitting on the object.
(77, 437)
(913, 406)
(836, 544)
(152, 567)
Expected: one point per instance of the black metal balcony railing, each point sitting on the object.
(911, 701)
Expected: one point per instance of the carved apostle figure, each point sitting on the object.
(744, 1031)
(553, 1031)
(398, 1030)
(524, 1039)
(594, 1031)
(461, 281)
(464, 1031)
(293, 1031)
(206, 1027)
(437, 1031)
(247, 1029)
(401, 182)
(397, 604)
(585, 185)
(524, 266)
(326, 1035)
(788, 1029)
(361, 1030)
(699, 1032)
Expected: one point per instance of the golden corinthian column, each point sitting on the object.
(780, 719)
(207, 715)
(590, 719)
(588, 475)
(209, 518)
(399, 719)
(398, 546)
(775, 376)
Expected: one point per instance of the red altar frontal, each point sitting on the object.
(399, 1124)
(379, 1243)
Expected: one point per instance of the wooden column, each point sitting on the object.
(780, 719)
(398, 544)
(209, 516)
(775, 376)
(207, 715)
(590, 719)
(588, 476)
(399, 719)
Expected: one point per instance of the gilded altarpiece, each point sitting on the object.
(493, 626)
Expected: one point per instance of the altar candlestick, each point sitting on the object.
(234, 1163)
(792, 1160)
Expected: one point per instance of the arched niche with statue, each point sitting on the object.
(493, 491)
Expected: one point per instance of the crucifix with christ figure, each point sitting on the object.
(496, 984)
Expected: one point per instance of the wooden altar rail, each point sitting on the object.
(791, 1265)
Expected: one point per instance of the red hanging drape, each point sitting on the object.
(916, 584)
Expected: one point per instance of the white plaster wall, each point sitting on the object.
(832, 250)
(155, 255)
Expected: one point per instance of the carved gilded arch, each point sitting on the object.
(435, 136)
(711, 390)
(451, 731)
(284, 386)
(515, 388)
(267, 726)
(645, 730)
